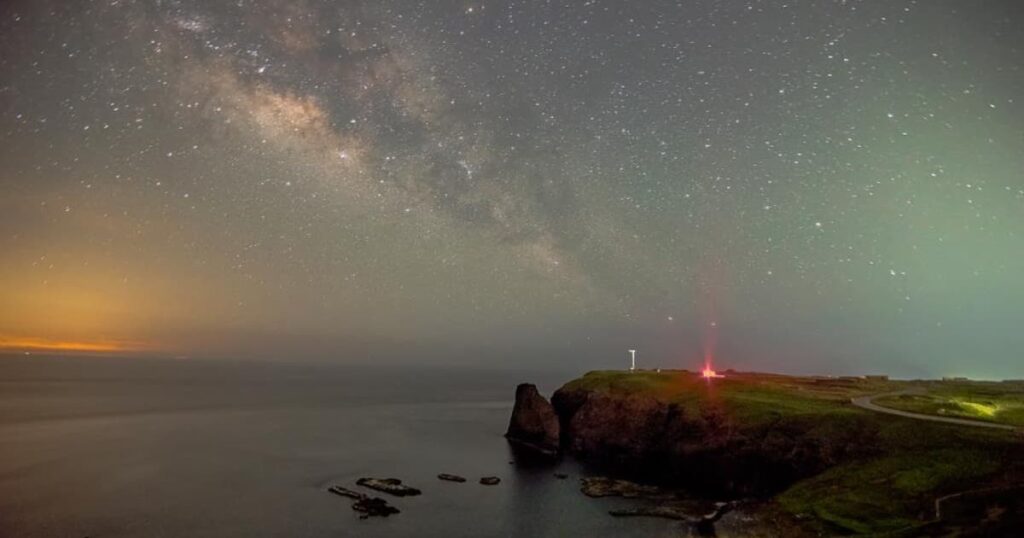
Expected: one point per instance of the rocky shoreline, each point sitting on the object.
(593, 427)
(539, 429)
(794, 449)
(694, 461)
(619, 432)
(656, 441)
(666, 448)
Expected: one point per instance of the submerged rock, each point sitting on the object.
(534, 424)
(374, 506)
(393, 486)
(599, 486)
(345, 492)
(702, 525)
(667, 512)
(368, 506)
(490, 480)
(451, 477)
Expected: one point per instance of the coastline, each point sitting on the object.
(795, 446)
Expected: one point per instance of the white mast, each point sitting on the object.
(632, 360)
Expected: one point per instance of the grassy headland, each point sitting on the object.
(906, 464)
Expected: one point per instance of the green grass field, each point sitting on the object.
(993, 402)
(916, 461)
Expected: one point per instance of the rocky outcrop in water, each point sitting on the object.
(657, 510)
(393, 486)
(345, 492)
(599, 486)
(368, 506)
(534, 424)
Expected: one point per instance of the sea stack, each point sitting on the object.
(534, 424)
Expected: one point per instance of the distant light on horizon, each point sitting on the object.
(38, 344)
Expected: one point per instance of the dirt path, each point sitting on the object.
(867, 402)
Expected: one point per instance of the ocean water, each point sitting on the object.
(110, 448)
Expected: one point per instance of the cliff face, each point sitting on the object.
(534, 424)
(831, 467)
(702, 448)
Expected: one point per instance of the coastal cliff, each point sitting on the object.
(698, 442)
(797, 443)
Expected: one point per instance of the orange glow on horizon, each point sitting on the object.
(30, 343)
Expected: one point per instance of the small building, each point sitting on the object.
(876, 377)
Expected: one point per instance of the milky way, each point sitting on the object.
(809, 185)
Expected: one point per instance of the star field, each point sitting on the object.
(814, 186)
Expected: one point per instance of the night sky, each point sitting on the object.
(805, 186)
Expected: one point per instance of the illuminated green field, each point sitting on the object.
(992, 402)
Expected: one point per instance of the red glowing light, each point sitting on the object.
(708, 372)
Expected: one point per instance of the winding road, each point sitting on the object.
(867, 402)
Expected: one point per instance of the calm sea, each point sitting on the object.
(107, 448)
